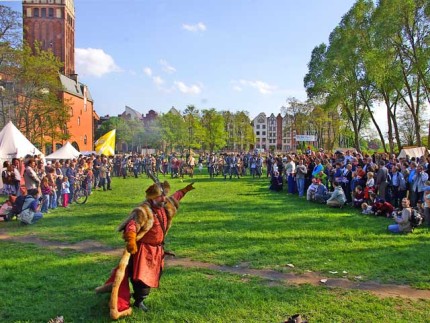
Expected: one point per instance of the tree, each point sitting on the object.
(10, 39)
(214, 130)
(36, 93)
(122, 129)
(152, 136)
(193, 122)
(10, 28)
(405, 25)
(173, 131)
(244, 134)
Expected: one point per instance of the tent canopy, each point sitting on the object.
(13, 143)
(413, 152)
(65, 152)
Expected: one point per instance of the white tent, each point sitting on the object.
(65, 152)
(14, 144)
(413, 152)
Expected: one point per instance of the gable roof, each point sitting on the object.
(74, 87)
(132, 114)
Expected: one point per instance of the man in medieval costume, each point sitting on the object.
(142, 262)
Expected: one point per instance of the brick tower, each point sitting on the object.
(52, 24)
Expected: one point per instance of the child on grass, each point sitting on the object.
(65, 191)
(366, 209)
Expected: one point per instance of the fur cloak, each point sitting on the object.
(118, 284)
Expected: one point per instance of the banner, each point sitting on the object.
(106, 144)
(305, 138)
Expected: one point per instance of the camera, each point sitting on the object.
(40, 199)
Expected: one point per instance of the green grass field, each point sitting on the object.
(232, 223)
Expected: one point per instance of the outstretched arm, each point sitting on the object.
(178, 195)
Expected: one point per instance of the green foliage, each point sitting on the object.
(38, 109)
(376, 53)
(174, 131)
(214, 136)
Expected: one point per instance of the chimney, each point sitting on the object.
(74, 77)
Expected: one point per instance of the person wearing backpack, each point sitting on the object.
(403, 224)
(27, 207)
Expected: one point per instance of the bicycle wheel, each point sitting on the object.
(80, 196)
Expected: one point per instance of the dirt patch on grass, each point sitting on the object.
(273, 277)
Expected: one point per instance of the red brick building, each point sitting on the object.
(52, 24)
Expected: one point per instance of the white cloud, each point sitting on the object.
(261, 86)
(147, 71)
(194, 28)
(158, 80)
(192, 89)
(167, 67)
(94, 62)
(237, 88)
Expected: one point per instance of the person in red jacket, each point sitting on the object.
(142, 262)
(383, 208)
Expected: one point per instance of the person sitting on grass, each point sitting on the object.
(27, 207)
(6, 208)
(366, 209)
(337, 197)
(276, 182)
(383, 208)
(310, 193)
(358, 196)
(403, 219)
(321, 195)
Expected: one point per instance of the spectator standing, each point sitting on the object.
(381, 182)
(418, 183)
(301, 171)
(16, 165)
(8, 178)
(32, 181)
(71, 174)
(65, 191)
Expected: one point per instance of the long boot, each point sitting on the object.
(141, 291)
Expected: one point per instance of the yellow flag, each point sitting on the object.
(106, 144)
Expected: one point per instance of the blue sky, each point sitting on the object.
(224, 54)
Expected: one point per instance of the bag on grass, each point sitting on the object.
(416, 218)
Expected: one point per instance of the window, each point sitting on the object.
(264, 126)
(85, 139)
(79, 121)
(257, 133)
(36, 12)
(51, 12)
(264, 133)
(258, 126)
(43, 11)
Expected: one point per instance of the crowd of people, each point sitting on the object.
(378, 184)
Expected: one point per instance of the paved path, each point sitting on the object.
(274, 277)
